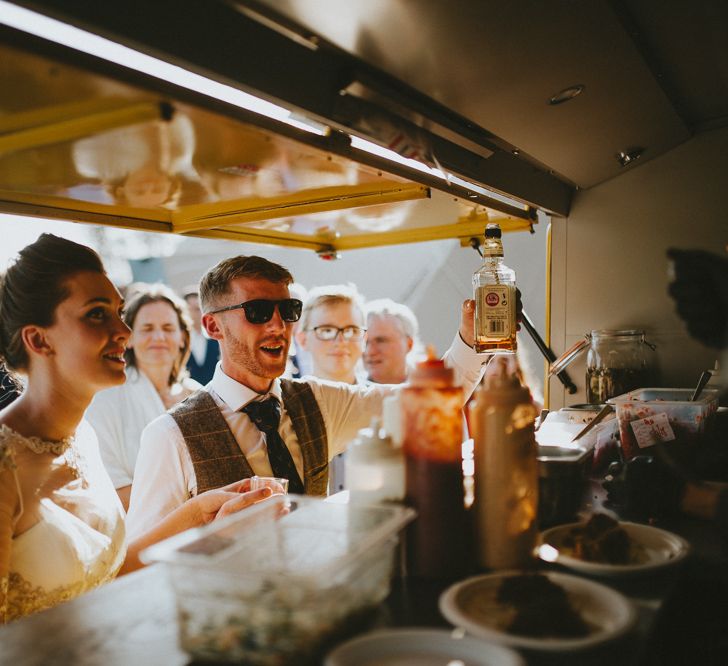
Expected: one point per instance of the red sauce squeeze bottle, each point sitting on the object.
(432, 428)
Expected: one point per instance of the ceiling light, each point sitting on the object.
(386, 153)
(625, 157)
(100, 47)
(566, 94)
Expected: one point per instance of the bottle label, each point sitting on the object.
(495, 309)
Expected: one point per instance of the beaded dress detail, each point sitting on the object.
(72, 538)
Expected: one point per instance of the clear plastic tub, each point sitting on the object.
(261, 588)
(689, 421)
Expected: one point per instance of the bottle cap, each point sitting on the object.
(502, 372)
(432, 372)
(392, 419)
(492, 230)
(371, 442)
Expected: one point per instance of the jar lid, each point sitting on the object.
(627, 335)
(608, 333)
(568, 356)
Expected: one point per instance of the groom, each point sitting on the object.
(248, 420)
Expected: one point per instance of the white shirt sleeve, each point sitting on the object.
(106, 419)
(163, 478)
(348, 408)
(467, 364)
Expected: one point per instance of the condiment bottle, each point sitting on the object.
(505, 501)
(494, 291)
(374, 467)
(432, 431)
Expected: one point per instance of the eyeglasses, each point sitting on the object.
(260, 310)
(326, 333)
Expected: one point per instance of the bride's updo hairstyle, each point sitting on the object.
(32, 288)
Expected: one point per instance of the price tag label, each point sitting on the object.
(652, 430)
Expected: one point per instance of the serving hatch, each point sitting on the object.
(280, 579)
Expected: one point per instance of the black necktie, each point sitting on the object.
(266, 415)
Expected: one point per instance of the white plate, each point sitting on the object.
(654, 547)
(420, 647)
(608, 613)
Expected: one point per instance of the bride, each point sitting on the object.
(61, 522)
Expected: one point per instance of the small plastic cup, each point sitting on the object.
(276, 484)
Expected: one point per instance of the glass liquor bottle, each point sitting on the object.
(494, 291)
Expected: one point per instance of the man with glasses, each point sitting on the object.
(392, 334)
(247, 420)
(331, 330)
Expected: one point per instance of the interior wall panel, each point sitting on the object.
(609, 264)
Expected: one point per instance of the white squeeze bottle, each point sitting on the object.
(374, 467)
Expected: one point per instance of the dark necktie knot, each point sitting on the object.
(265, 414)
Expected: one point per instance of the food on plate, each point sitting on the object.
(602, 539)
(542, 608)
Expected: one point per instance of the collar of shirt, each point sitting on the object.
(236, 395)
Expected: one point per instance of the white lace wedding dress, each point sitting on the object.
(75, 540)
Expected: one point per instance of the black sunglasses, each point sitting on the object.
(260, 310)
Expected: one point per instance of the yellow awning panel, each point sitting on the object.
(79, 146)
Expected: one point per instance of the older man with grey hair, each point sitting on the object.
(391, 337)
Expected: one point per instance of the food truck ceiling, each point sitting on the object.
(460, 98)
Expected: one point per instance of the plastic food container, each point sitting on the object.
(261, 588)
(643, 413)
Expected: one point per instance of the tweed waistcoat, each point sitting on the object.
(216, 456)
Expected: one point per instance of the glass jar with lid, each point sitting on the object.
(617, 362)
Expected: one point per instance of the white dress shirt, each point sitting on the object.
(164, 477)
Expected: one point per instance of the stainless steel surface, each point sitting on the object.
(642, 86)
(563, 475)
(470, 73)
